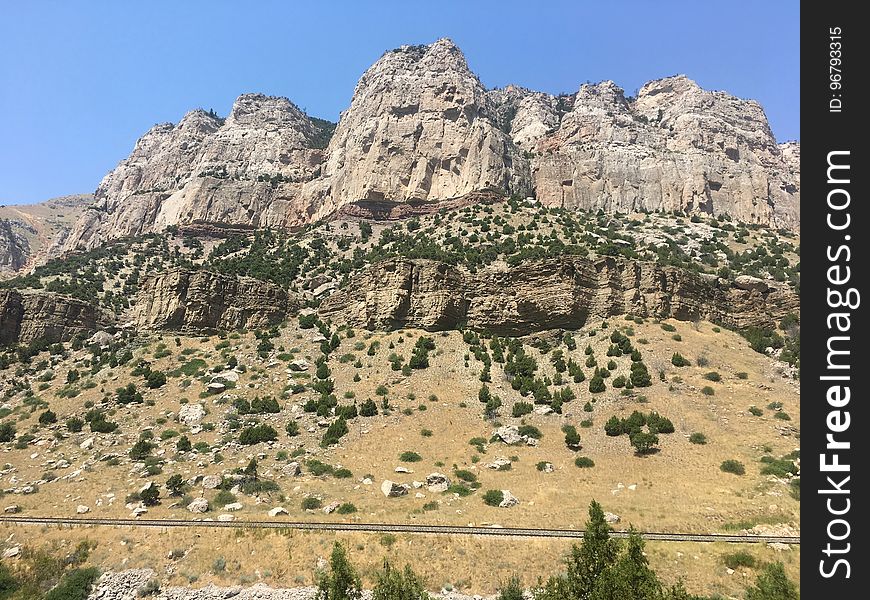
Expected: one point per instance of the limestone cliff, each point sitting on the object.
(189, 300)
(43, 316)
(547, 294)
(248, 169)
(422, 128)
(674, 147)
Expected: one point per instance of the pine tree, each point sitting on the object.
(341, 582)
(399, 585)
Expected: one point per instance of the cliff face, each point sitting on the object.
(30, 316)
(547, 294)
(248, 169)
(13, 248)
(422, 128)
(188, 300)
(674, 147)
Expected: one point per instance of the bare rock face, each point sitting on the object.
(420, 127)
(187, 300)
(546, 294)
(14, 248)
(674, 147)
(246, 170)
(30, 316)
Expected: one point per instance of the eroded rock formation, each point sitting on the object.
(422, 128)
(546, 294)
(44, 316)
(190, 300)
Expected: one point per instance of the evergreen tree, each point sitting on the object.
(399, 585)
(772, 584)
(341, 582)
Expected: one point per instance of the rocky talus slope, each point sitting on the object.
(124, 585)
(421, 127)
(548, 294)
(191, 300)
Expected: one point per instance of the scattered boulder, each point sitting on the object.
(215, 387)
(12, 509)
(139, 510)
(610, 517)
(199, 505)
(299, 364)
(101, 339)
(278, 510)
(331, 508)
(509, 434)
(548, 468)
(291, 469)
(499, 463)
(211, 482)
(391, 489)
(508, 500)
(226, 518)
(192, 414)
(87, 444)
(81, 509)
(226, 377)
(12, 552)
(543, 409)
(404, 470)
(232, 506)
(437, 482)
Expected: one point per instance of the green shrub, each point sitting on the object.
(754, 410)
(311, 503)
(733, 466)
(739, 559)
(459, 489)
(698, 438)
(346, 509)
(409, 456)
(493, 497)
(257, 434)
(75, 585)
(712, 376)
(678, 360)
(643, 442)
(530, 431)
(521, 408)
(465, 475)
(584, 462)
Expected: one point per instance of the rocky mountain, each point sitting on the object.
(30, 233)
(422, 128)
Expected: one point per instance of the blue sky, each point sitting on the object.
(81, 81)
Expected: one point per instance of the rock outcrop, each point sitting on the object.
(14, 248)
(189, 300)
(245, 170)
(422, 128)
(674, 147)
(29, 316)
(546, 294)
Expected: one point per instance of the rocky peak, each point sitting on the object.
(420, 127)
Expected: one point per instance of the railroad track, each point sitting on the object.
(397, 528)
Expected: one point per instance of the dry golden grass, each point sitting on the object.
(289, 558)
(680, 488)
